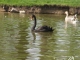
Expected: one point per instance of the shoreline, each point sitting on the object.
(46, 9)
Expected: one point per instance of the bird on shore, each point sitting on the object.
(22, 12)
(44, 28)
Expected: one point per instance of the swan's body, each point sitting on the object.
(71, 19)
(42, 28)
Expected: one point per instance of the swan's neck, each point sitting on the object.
(33, 28)
(67, 15)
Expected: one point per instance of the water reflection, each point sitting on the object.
(12, 37)
(65, 43)
(34, 48)
(22, 15)
(17, 42)
(8, 39)
(21, 46)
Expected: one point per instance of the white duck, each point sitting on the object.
(22, 12)
(71, 19)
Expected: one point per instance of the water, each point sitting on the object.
(17, 42)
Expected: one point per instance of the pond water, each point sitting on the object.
(17, 42)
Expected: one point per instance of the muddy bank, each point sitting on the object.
(46, 9)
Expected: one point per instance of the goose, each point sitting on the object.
(71, 19)
(42, 28)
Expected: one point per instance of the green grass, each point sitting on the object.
(73, 3)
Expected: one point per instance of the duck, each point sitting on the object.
(44, 28)
(71, 19)
(22, 12)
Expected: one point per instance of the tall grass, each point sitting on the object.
(74, 3)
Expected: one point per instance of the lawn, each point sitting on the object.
(73, 3)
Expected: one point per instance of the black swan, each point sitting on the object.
(42, 28)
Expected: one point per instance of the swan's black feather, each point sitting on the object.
(42, 28)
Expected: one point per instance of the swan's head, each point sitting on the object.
(33, 17)
(66, 12)
(75, 15)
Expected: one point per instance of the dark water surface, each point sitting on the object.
(17, 42)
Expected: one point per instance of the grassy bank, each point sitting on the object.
(74, 3)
